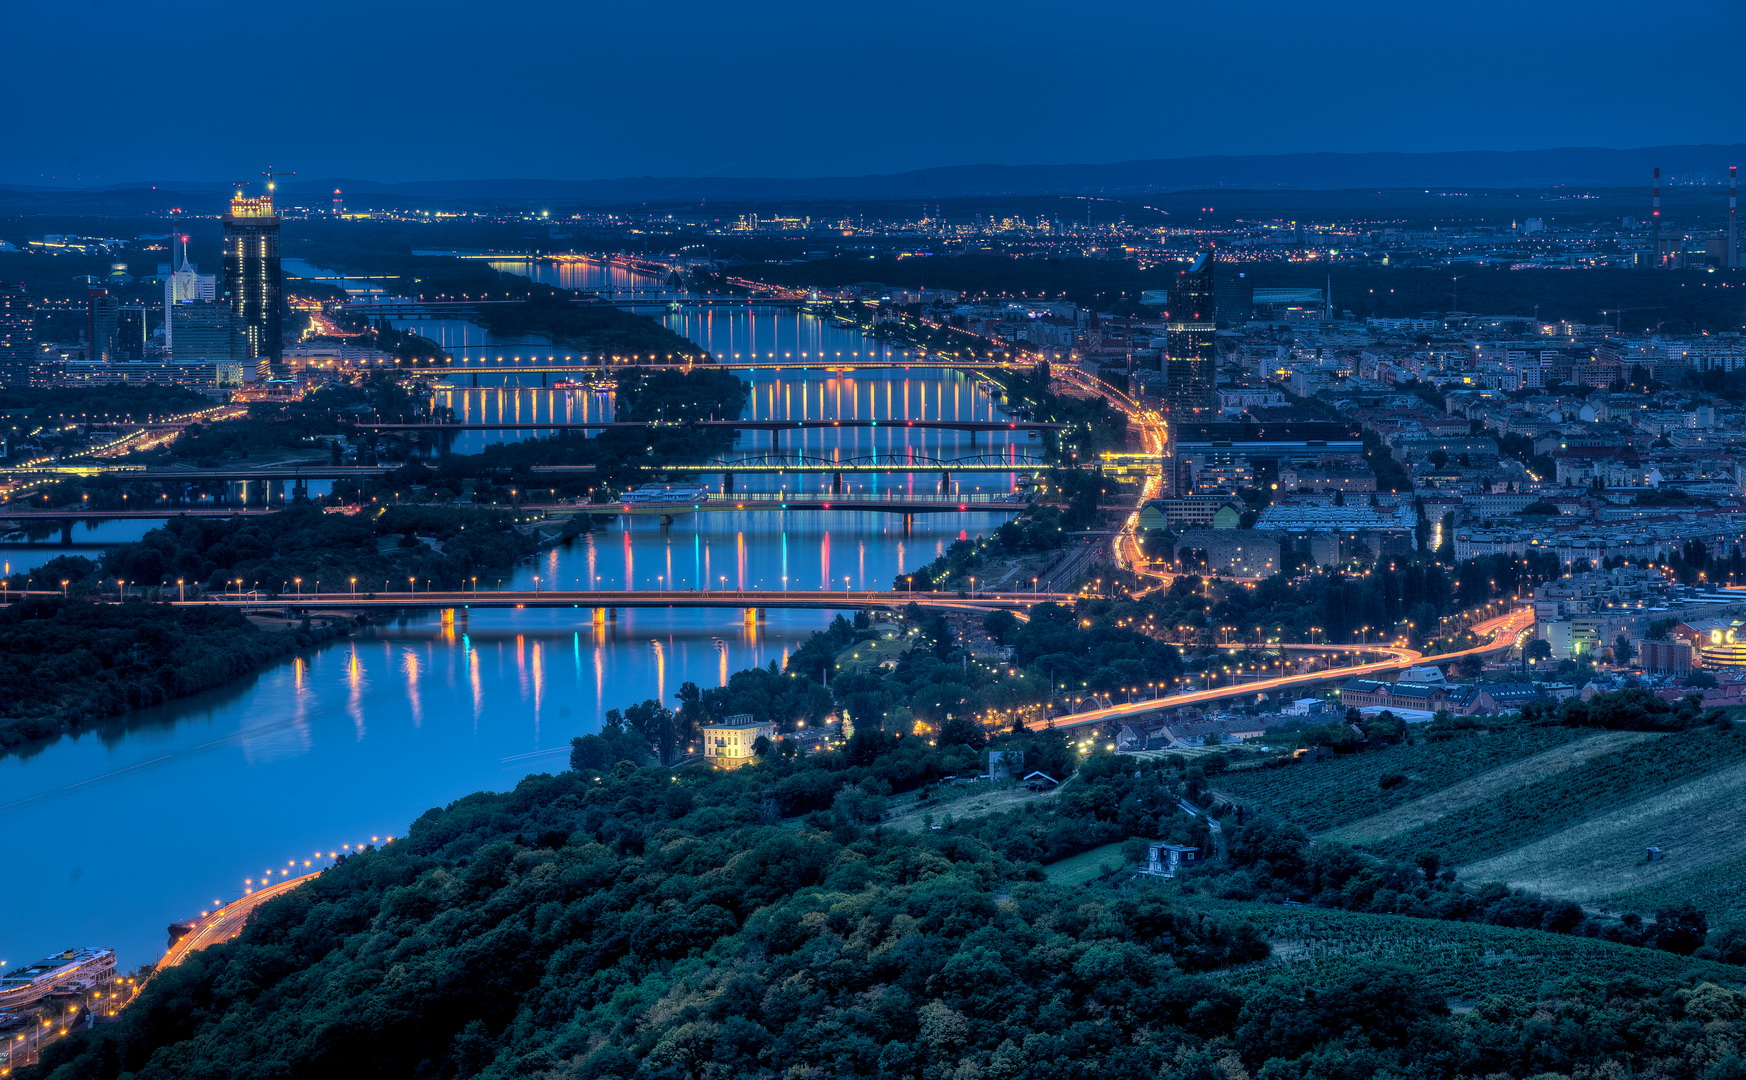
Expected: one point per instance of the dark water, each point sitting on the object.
(115, 834)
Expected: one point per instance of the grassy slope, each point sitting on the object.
(1462, 960)
(1603, 859)
(1087, 866)
(1603, 785)
(1717, 888)
(1341, 790)
(1479, 789)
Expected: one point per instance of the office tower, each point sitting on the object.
(1234, 297)
(184, 285)
(17, 335)
(205, 333)
(102, 320)
(251, 274)
(1189, 340)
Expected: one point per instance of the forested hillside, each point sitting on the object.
(629, 921)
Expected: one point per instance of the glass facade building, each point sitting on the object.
(253, 283)
(17, 335)
(1189, 340)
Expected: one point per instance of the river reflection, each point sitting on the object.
(154, 817)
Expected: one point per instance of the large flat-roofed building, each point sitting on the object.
(205, 337)
(1226, 456)
(729, 744)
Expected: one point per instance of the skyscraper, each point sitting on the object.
(252, 281)
(17, 335)
(185, 285)
(1189, 340)
(102, 320)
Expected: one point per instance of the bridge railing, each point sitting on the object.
(782, 498)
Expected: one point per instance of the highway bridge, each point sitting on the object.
(552, 365)
(311, 471)
(604, 600)
(768, 463)
(880, 463)
(751, 501)
(745, 425)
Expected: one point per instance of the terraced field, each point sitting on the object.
(1602, 860)
(1487, 785)
(1326, 794)
(1462, 960)
(1717, 888)
(1602, 788)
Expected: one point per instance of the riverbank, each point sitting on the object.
(68, 663)
(522, 306)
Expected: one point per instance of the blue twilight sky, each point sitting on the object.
(99, 91)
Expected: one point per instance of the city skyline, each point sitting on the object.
(550, 90)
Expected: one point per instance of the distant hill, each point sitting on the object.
(1579, 166)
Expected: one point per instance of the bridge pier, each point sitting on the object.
(666, 521)
(836, 483)
(775, 441)
(67, 531)
(727, 483)
(475, 380)
(753, 616)
(945, 481)
(603, 615)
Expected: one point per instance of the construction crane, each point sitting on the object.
(272, 176)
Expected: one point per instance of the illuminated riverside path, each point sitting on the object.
(216, 927)
(147, 822)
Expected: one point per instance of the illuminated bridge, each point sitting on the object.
(553, 364)
(884, 463)
(748, 425)
(746, 502)
(769, 463)
(605, 600)
(311, 471)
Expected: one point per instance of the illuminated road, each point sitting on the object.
(1154, 439)
(1500, 633)
(227, 922)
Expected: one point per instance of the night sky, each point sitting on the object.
(102, 91)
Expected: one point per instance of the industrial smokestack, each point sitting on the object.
(1733, 259)
(1655, 216)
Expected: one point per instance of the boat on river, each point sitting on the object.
(667, 495)
(74, 970)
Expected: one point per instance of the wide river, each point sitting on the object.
(115, 834)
